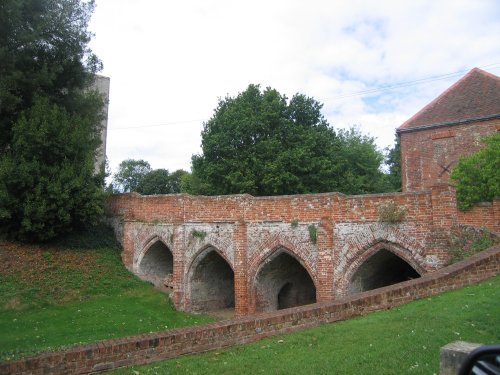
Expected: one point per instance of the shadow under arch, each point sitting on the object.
(210, 281)
(281, 281)
(382, 264)
(156, 260)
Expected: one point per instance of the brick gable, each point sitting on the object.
(476, 96)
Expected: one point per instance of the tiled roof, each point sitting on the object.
(474, 96)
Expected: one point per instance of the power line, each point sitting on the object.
(409, 83)
(344, 96)
(156, 125)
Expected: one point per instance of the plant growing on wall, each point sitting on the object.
(294, 223)
(391, 213)
(313, 233)
(201, 234)
(476, 176)
(465, 241)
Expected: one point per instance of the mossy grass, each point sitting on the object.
(404, 340)
(76, 290)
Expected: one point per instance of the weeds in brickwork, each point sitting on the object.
(465, 241)
(391, 213)
(201, 234)
(294, 223)
(313, 233)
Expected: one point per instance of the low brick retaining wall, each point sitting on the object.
(110, 354)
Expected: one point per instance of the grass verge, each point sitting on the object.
(75, 291)
(404, 340)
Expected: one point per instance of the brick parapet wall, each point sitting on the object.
(231, 208)
(485, 214)
(427, 155)
(141, 349)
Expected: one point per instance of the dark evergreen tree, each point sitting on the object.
(49, 118)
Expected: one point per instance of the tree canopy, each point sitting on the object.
(130, 174)
(137, 176)
(261, 143)
(49, 119)
(393, 161)
(477, 176)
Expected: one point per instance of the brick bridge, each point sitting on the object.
(258, 254)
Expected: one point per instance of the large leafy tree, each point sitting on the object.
(393, 161)
(131, 173)
(49, 118)
(160, 181)
(360, 164)
(261, 143)
(477, 176)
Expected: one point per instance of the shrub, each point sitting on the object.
(313, 233)
(391, 213)
(465, 241)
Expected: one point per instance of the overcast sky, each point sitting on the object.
(170, 61)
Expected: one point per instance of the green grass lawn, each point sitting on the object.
(404, 340)
(75, 291)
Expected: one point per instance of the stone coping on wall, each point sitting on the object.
(110, 354)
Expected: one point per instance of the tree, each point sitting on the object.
(160, 181)
(393, 161)
(130, 174)
(261, 143)
(361, 164)
(49, 119)
(48, 185)
(176, 178)
(476, 176)
(43, 52)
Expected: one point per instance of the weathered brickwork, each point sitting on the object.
(247, 238)
(111, 354)
(450, 126)
(428, 155)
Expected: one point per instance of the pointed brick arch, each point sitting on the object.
(155, 262)
(368, 251)
(148, 235)
(266, 297)
(274, 243)
(210, 281)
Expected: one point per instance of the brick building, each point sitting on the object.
(450, 126)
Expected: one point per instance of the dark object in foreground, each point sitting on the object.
(484, 360)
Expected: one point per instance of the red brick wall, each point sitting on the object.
(425, 153)
(147, 348)
(246, 231)
(486, 214)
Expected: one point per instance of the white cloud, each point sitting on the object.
(170, 61)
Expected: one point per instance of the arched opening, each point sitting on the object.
(381, 269)
(212, 283)
(282, 283)
(157, 262)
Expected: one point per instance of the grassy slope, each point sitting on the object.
(75, 291)
(404, 340)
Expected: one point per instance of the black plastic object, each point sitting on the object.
(484, 360)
